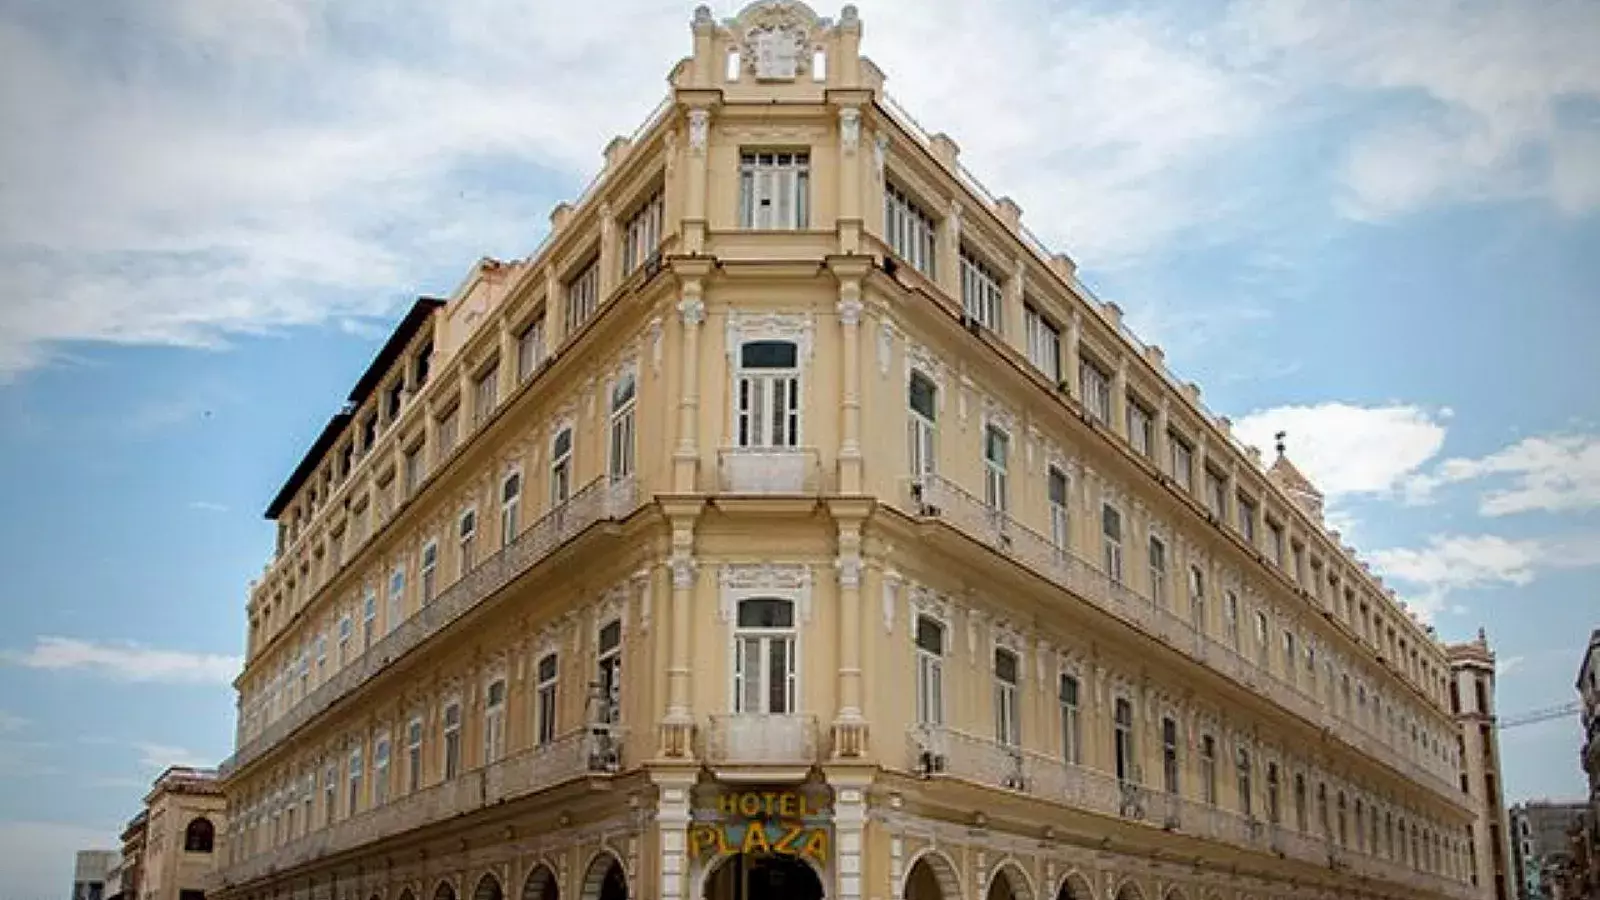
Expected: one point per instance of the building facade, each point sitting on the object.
(791, 523)
(1539, 845)
(1472, 682)
(179, 841)
(1582, 878)
(91, 871)
(132, 867)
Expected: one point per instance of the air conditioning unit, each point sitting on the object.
(930, 763)
(1064, 387)
(890, 267)
(971, 324)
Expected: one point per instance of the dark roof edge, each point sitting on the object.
(414, 319)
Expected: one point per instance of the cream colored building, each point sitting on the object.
(181, 847)
(792, 523)
(1472, 677)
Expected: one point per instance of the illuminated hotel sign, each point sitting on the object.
(786, 823)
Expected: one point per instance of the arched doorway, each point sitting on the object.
(541, 884)
(1075, 887)
(605, 879)
(1008, 883)
(445, 891)
(488, 889)
(932, 877)
(763, 877)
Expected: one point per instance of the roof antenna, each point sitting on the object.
(1279, 438)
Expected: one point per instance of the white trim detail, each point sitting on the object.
(789, 581)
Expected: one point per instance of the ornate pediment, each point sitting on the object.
(776, 38)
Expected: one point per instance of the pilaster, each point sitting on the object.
(694, 218)
(677, 723)
(1070, 356)
(947, 268)
(686, 456)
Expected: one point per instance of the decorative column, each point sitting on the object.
(849, 180)
(1230, 503)
(850, 308)
(1158, 441)
(553, 318)
(1070, 352)
(947, 267)
(609, 262)
(1013, 293)
(849, 726)
(1197, 478)
(677, 725)
(1119, 397)
(694, 218)
(506, 382)
(686, 457)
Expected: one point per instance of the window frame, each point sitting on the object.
(622, 427)
(774, 190)
(562, 467)
(766, 639)
(929, 667)
(768, 401)
(996, 480)
(1007, 697)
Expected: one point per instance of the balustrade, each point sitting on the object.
(762, 740)
(769, 470)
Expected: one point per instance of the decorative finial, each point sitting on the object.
(1482, 637)
(1279, 439)
(702, 15)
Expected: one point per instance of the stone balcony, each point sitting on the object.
(771, 748)
(600, 500)
(940, 752)
(936, 498)
(773, 471)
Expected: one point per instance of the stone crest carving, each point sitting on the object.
(743, 580)
(850, 128)
(796, 327)
(699, 130)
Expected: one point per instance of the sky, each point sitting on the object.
(1375, 226)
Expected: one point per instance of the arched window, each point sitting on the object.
(922, 426)
(199, 836)
(623, 395)
(764, 664)
(767, 393)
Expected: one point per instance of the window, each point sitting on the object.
(413, 469)
(1096, 388)
(1169, 755)
(1247, 520)
(1197, 598)
(608, 666)
(1043, 344)
(1060, 517)
(466, 539)
(424, 354)
(1138, 427)
(1123, 741)
(330, 792)
(764, 675)
(1007, 709)
(1246, 795)
(1275, 542)
(1261, 638)
(397, 597)
(369, 617)
(199, 836)
(996, 447)
(485, 393)
(452, 740)
(1158, 570)
(1216, 494)
(1300, 803)
(1071, 730)
(930, 671)
(494, 722)
(448, 428)
(768, 394)
(909, 230)
(322, 657)
(641, 234)
(413, 755)
(393, 399)
(1274, 808)
(774, 190)
(622, 406)
(583, 295)
(1290, 655)
(1182, 461)
(354, 800)
(344, 638)
(561, 467)
(1208, 770)
(530, 349)
(510, 506)
(429, 569)
(921, 426)
(1111, 538)
(380, 771)
(545, 698)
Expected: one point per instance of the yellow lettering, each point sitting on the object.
(786, 844)
(702, 837)
(816, 846)
(786, 805)
(755, 839)
(749, 804)
(724, 846)
(767, 800)
(727, 803)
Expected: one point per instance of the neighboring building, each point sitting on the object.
(185, 819)
(132, 866)
(1539, 844)
(928, 580)
(89, 873)
(113, 885)
(1582, 877)
(1472, 680)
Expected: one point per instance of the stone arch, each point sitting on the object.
(940, 871)
(488, 888)
(1075, 886)
(445, 889)
(1175, 892)
(713, 867)
(1008, 880)
(541, 883)
(406, 894)
(1128, 889)
(605, 878)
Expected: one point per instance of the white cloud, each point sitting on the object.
(1463, 98)
(160, 756)
(1448, 563)
(10, 722)
(128, 661)
(1506, 665)
(207, 506)
(1350, 450)
(38, 856)
(1545, 473)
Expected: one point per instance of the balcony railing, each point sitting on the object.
(786, 471)
(600, 500)
(771, 741)
(936, 497)
(528, 772)
(939, 751)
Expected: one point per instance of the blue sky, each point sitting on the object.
(1373, 225)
